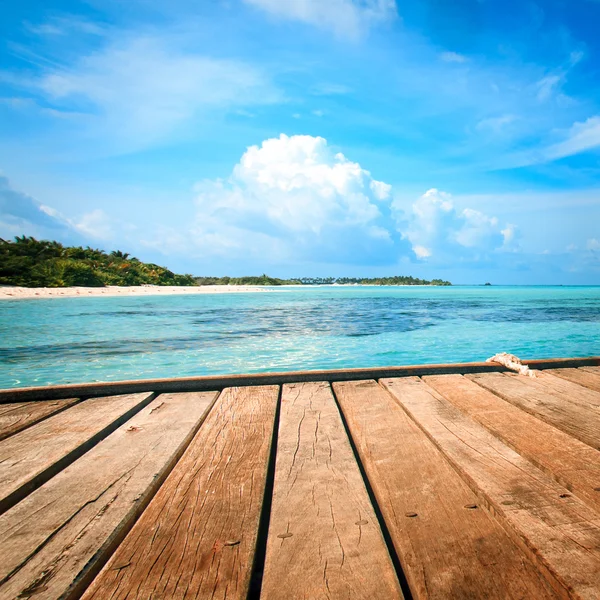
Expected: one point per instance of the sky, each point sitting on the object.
(435, 138)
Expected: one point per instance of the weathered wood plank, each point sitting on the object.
(19, 416)
(197, 538)
(561, 388)
(570, 462)
(591, 369)
(54, 541)
(559, 531)
(29, 458)
(588, 379)
(447, 548)
(324, 539)
(582, 422)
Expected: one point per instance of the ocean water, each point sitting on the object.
(71, 340)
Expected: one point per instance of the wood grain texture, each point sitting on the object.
(592, 369)
(447, 548)
(197, 538)
(324, 538)
(54, 541)
(29, 458)
(559, 531)
(568, 391)
(19, 416)
(570, 462)
(585, 378)
(582, 422)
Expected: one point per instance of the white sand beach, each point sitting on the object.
(15, 293)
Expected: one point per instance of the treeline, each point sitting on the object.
(261, 280)
(266, 280)
(28, 262)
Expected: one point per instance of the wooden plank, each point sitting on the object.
(19, 416)
(570, 462)
(591, 369)
(324, 538)
(56, 540)
(588, 379)
(447, 547)
(559, 531)
(561, 388)
(582, 422)
(219, 382)
(197, 538)
(29, 458)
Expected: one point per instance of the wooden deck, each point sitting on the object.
(451, 481)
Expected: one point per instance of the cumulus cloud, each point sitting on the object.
(296, 197)
(345, 17)
(437, 230)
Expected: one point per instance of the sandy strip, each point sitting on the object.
(16, 293)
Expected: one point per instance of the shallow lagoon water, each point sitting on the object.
(71, 340)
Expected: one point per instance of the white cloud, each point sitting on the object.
(593, 245)
(144, 87)
(298, 198)
(453, 57)
(95, 224)
(437, 230)
(580, 138)
(60, 26)
(546, 86)
(330, 89)
(348, 18)
(511, 235)
(496, 124)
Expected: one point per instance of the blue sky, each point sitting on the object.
(309, 137)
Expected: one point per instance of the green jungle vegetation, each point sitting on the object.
(28, 262)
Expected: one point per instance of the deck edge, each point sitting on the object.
(220, 382)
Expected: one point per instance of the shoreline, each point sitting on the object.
(23, 293)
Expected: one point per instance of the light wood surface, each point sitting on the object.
(462, 481)
(581, 422)
(447, 548)
(324, 538)
(570, 462)
(19, 416)
(559, 532)
(583, 377)
(197, 538)
(31, 457)
(69, 526)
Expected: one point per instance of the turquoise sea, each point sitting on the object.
(70, 340)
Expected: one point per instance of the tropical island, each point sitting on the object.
(30, 263)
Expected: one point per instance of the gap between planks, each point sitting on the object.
(198, 535)
(30, 458)
(560, 533)
(448, 548)
(324, 538)
(56, 540)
